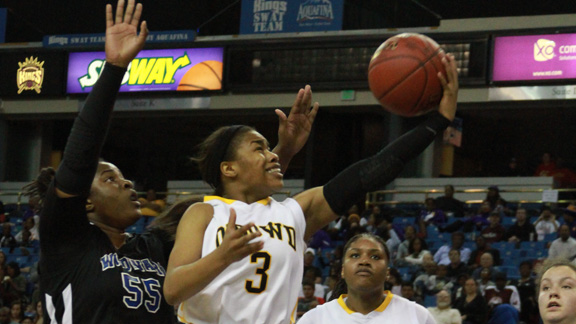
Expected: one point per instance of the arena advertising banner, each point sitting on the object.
(277, 16)
(183, 69)
(534, 57)
(3, 18)
(83, 40)
(32, 73)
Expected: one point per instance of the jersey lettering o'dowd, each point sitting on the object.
(263, 287)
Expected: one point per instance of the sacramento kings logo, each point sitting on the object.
(30, 75)
(315, 10)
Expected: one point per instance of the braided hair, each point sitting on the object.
(341, 286)
(38, 188)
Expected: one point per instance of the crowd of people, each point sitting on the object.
(455, 258)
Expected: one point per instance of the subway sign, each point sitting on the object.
(187, 69)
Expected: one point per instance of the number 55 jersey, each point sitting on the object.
(263, 287)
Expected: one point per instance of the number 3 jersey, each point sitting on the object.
(83, 279)
(263, 287)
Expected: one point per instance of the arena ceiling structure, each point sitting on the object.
(30, 20)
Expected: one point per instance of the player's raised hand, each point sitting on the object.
(450, 85)
(122, 39)
(235, 245)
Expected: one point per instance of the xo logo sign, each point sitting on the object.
(544, 50)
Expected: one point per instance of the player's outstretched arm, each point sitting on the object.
(294, 129)
(80, 158)
(322, 204)
(188, 272)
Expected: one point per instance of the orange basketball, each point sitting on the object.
(205, 75)
(403, 74)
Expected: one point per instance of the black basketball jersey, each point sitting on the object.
(83, 279)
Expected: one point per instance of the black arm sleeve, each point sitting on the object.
(80, 160)
(375, 172)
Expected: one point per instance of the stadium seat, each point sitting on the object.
(503, 246)
(550, 237)
(534, 246)
(508, 221)
(403, 220)
(429, 301)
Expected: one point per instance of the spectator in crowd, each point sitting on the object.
(443, 313)
(476, 221)
(564, 246)
(416, 251)
(14, 283)
(424, 280)
(29, 227)
(481, 248)
(39, 318)
(547, 167)
(494, 232)
(6, 238)
(450, 205)
(27, 320)
(394, 282)
(16, 311)
(386, 231)
(526, 286)
(319, 290)
(486, 262)
(522, 230)
(501, 293)
(485, 280)
(375, 212)
(409, 293)
(308, 301)
(556, 291)
(458, 285)
(442, 255)
(564, 177)
(456, 267)
(546, 223)
(472, 305)
(151, 205)
(320, 239)
(431, 214)
(512, 169)
(4, 315)
(403, 247)
(569, 216)
(309, 257)
(494, 199)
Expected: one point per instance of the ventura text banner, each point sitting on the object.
(182, 69)
(277, 16)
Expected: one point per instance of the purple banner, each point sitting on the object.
(534, 57)
(183, 69)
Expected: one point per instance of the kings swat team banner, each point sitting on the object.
(534, 57)
(187, 69)
(277, 16)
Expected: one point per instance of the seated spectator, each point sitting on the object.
(16, 311)
(512, 169)
(485, 280)
(501, 293)
(569, 216)
(394, 282)
(308, 301)
(547, 167)
(409, 234)
(416, 251)
(546, 223)
(486, 262)
(14, 283)
(409, 293)
(4, 315)
(375, 212)
(474, 222)
(424, 280)
(320, 240)
(494, 232)
(450, 205)
(456, 267)
(442, 255)
(564, 246)
(481, 248)
(497, 203)
(6, 238)
(151, 205)
(319, 290)
(443, 313)
(522, 230)
(30, 227)
(309, 257)
(458, 285)
(386, 231)
(471, 304)
(431, 214)
(526, 287)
